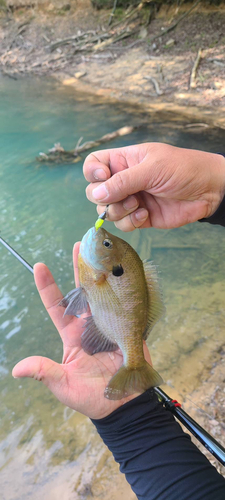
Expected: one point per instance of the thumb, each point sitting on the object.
(42, 369)
(120, 185)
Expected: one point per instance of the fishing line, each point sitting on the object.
(204, 413)
(215, 448)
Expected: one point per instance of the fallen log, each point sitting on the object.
(57, 154)
(194, 70)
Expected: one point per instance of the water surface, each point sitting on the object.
(46, 450)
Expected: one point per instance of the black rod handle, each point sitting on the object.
(17, 255)
(201, 434)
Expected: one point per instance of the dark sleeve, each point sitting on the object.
(159, 460)
(218, 217)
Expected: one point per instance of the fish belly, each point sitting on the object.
(120, 313)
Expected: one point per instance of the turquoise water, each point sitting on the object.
(43, 212)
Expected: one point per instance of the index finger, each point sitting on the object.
(76, 249)
(50, 296)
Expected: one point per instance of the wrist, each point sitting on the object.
(217, 182)
(147, 399)
(108, 409)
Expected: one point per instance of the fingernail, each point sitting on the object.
(100, 193)
(100, 174)
(141, 214)
(130, 203)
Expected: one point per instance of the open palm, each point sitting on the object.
(79, 382)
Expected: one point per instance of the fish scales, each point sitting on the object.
(125, 302)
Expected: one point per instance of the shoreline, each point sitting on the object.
(159, 108)
(154, 78)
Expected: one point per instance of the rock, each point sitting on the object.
(143, 33)
(50, 7)
(170, 43)
(80, 74)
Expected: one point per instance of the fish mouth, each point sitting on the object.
(89, 247)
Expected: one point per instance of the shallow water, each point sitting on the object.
(47, 450)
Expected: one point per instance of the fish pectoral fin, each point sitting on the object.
(93, 341)
(75, 302)
(156, 307)
(130, 380)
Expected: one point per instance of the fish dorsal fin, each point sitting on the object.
(156, 307)
(92, 340)
(75, 302)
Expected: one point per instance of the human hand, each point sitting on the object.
(79, 382)
(155, 185)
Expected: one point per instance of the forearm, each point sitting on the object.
(158, 458)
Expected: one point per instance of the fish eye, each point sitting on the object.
(117, 270)
(107, 243)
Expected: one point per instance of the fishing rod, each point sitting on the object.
(17, 255)
(215, 448)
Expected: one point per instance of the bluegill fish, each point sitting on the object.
(125, 302)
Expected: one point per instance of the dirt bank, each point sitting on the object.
(142, 68)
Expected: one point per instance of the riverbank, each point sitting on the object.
(143, 69)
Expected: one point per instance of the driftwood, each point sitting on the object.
(82, 38)
(93, 41)
(194, 69)
(128, 16)
(84, 42)
(20, 29)
(155, 83)
(216, 61)
(57, 154)
(197, 125)
(112, 13)
(114, 39)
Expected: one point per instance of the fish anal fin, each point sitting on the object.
(93, 341)
(156, 307)
(75, 302)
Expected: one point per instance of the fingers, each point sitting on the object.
(52, 374)
(121, 185)
(117, 211)
(76, 250)
(138, 219)
(42, 369)
(97, 166)
(50, 295)
(126, 220)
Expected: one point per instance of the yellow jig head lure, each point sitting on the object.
(101, 219)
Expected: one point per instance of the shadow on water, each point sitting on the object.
(51, 451)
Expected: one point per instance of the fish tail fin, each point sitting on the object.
(130, 380)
